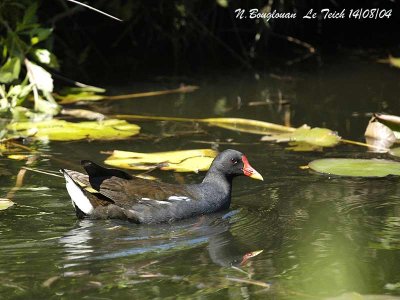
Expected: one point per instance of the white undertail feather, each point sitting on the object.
(77, 196)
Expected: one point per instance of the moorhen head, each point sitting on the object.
(113, 194)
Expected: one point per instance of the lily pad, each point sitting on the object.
(321, 137)
(5, 203)
(180, 161)
(356, 167)
(60, 130)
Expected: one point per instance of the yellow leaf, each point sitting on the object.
(223, 3)
(181, 161)
(394, 61)
(34, 40)
(5, 203)
(247, 125)
(236, 124)
(60, 130)
(321, 137)
(18, 156)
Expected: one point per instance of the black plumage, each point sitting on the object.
(110, 193)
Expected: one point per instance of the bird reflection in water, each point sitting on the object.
(98, 240)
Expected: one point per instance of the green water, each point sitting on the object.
(321, 237)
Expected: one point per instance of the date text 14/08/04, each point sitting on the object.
(325, 13)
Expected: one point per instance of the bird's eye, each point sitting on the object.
(234, 161)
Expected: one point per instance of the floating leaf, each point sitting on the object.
(394, 61)
(379, 131)
(320, 137)
(303, 147)
(80, 89)
(83, 114)
(395, 151)
(357, 296)
(18, 156)
(383, 127)
(5, 203)
(356, 167)
(391, 121)
(247, 125)
(236, 124)
(77, 97)
(60, 130)
(181, 161)
(379, 135)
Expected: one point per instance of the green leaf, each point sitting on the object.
(30, 14)
(356, 167)
(82, 96)
(10, 70)
(18, 93)
(246, 125)
(303, 147)
(77, 90)
(321, 137)
(180, 161)
(39, 34)
(60, 130)
(19, 113)
(44, 56)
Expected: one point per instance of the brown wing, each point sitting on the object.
(127, 193)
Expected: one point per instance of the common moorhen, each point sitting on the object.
(113, 194)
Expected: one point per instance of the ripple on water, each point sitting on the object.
(91, 240)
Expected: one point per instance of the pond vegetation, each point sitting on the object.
(324, 225)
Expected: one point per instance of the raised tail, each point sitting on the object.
(79, 196)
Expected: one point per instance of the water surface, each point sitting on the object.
(322, 237)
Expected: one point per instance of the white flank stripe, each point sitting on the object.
(155, 201)
(77, 196)
(179, 198)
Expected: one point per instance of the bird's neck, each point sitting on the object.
(217, 178)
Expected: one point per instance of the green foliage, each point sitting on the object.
(22, 44)
(10, 70)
